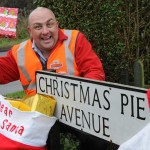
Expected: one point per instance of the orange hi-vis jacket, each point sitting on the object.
(61, 59)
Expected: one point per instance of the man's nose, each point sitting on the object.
(45, 30)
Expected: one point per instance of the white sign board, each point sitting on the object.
(110, 111)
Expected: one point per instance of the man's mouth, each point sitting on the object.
(47, 39)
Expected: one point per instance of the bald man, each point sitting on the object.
(49, 48)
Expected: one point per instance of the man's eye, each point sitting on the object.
(50, 24)
(37, 27)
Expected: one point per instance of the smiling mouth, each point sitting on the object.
(47, 39)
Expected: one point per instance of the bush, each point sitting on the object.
(22, 28)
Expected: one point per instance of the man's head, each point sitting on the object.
(43, 28)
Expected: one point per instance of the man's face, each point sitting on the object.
(43, 29)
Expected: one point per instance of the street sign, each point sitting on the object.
(113, 112)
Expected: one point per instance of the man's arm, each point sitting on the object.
(89, 65)
(8, 69)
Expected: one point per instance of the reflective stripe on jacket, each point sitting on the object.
(61, 59)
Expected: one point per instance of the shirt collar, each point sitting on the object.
(34, 47)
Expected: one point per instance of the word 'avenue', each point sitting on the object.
(92, 121)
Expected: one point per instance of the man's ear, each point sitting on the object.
(29, 31)
(57, 23)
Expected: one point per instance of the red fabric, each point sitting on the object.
(87, 61)
(89, 65)
(8, 144)
(148, 96)
(8, 69)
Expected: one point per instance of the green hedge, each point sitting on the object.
(118, 30)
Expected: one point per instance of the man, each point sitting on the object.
(49, 48)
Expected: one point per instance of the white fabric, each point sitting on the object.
(140, 141)
(36, 125)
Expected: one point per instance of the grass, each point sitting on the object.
(7, 43)
(16, 95)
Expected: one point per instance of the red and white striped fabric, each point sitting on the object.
(8, 22)
(148, 96)
(20, 130)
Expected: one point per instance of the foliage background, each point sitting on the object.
(118, 30)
